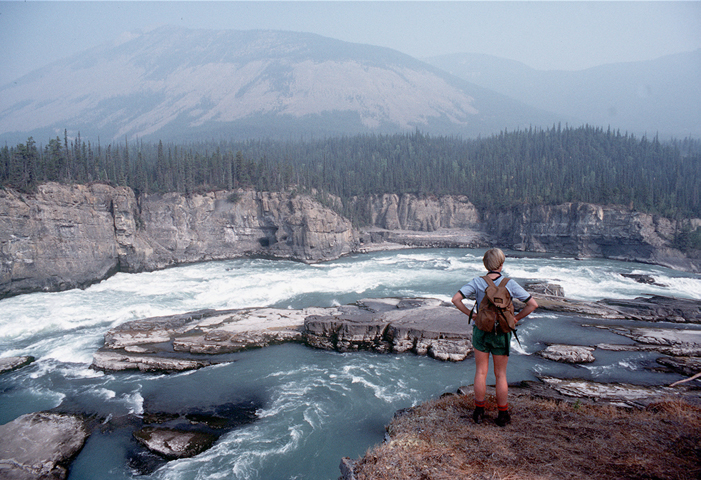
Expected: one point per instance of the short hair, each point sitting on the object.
(493, 259)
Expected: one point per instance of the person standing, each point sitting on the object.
(496, 343)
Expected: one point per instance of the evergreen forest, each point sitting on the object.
(534, 166)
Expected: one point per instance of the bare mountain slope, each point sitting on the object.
(175, 83)
(656, 96)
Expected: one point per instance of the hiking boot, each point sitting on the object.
(478, 414)
(503, 418)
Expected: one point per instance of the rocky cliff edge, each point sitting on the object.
(64, 237)
(67, 236)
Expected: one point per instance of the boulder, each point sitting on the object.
(544, 288)
(172, 443)
(568, 353)
(7, 364)
(40, 445)
(644, 279)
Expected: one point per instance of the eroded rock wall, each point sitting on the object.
(71, 236)
(588, 230)
(421, 213)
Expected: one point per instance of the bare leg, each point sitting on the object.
(500, 364)
(481, 371)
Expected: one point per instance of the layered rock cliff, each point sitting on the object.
(587, 230)
(71, 236)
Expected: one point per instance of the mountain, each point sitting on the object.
(657, 96)
(178, 84)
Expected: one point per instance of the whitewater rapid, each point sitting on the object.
(313, 407)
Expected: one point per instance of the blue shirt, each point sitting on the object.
(478, 285)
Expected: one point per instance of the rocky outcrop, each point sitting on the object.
(568, 353)
(172, 343)
(172, 444)
(7, 364)
(587, 230)
(61, 237)
(420, 213)
(176, 343)
(72, 236)
(421, 326)
(217, 225)
(40, 445)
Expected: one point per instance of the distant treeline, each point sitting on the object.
(534, 166)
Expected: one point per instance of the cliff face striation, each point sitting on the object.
(587, 230)
(71, 236)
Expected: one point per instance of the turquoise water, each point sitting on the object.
(313, 407)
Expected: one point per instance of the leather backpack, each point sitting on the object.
(496, 310)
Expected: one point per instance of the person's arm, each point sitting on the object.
(457, 301)
(531, 305)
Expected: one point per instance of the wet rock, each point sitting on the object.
(172, 444)
(658, 309)
(683, 365)
(421, 326)
(626, 395)
(117, 362)
(172, 435)
(568, 353)
(641, 278)
(578, 307)
(172, 343)
(40, 445)
(347, 465)
(685, 341)
(544, 288)
(7, 364)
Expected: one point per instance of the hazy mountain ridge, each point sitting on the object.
(173, 81)
(644, 97)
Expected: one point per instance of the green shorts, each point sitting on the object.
(494, 343)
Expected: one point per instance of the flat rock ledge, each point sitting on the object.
(40, 445)
(422, 326)
(198, 339)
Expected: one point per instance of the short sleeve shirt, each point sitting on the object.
(478, 285)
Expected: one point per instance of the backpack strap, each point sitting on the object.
(491, 283)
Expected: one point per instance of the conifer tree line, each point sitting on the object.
(534, 166)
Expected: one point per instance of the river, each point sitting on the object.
(313, 407)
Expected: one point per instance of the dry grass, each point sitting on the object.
(546, 440)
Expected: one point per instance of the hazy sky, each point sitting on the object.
(543, 35)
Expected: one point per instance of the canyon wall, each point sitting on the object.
(586, 230)
(72, 236)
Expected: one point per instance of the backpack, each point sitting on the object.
(496, 311)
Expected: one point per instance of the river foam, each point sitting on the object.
(314, 407)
